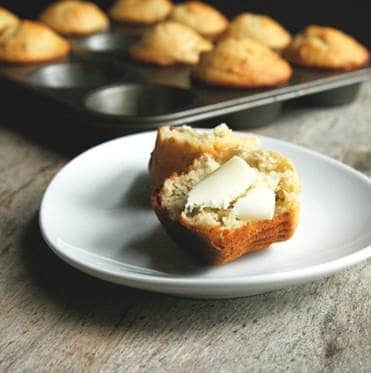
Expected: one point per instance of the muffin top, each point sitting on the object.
(201, 17)
(72, 17)
(7, 19)
(140, 11)
(242, 63)
(260, 28)
(31, 42)
(170, 43)
(177, 147)
(326, 47)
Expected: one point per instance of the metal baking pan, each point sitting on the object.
(99, 83)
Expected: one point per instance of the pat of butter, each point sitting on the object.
(258, 204)
(222, 186)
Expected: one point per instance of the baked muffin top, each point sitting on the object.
(170, 43)
(260, 28)
(31, 42)
(326, 47)
(177, 147)
(201, 17)
(242, 63)
(7, 19)
(72, 17)
(140, 11)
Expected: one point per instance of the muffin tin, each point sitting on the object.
(102, 85)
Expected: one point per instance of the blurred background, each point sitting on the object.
(52, 125)
(351, 16)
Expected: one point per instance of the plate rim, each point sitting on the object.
(130, 278)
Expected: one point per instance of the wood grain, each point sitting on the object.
(54, 318)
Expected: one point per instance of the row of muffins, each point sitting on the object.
(249, 52)
(81, 18)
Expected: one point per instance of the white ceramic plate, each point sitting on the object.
(95, 215)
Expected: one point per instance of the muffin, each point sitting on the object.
(261, 28)
(177, 147)
(31, 42)
(242, 63)
(203, 18)
(223, 211)
(326, 48)
(7, 19)
(170, 43)
(140, 12)
(72, 17)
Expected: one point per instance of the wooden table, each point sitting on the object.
(54, 318)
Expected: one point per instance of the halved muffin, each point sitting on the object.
(31, 42)
(73, 17)
(7, 19)
(177, 147)
(170, 43)
(326, 48)
(223, 211)
(202, 17)
(261, 28)
(242, 63)
(140, 12)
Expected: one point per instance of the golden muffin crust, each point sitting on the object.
(260, 28)
(170, 43)
(203, 18)
(177, 147)
(72, 17)
(327, 48)
(242, 63)
(31, 42)
(140, 11)
(7, 19)
(217, 235)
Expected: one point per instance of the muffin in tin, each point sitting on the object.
(7, 19)
(326, 48)
(140, 12)
(242, 63)
(170, 43)
(202, 17)
(260, 28)
(73, 17)
(31, 42)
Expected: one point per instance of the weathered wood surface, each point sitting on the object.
(54, 318)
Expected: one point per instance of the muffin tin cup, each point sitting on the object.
(254, 117)
(139, 101)
(334, 97)
(103, 46)
(105, 88)
(69, 75)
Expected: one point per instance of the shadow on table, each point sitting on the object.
(100, 302)
(49, 124)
